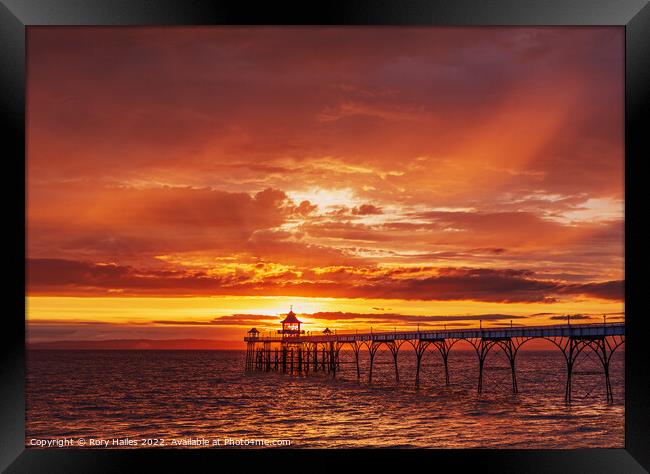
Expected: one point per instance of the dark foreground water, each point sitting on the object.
(180, 397)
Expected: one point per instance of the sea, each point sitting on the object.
(205, 399)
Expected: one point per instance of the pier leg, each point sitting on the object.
(332, 360)
(608, 387)
(445, 360)
(604, 349)
(510, 349)
(248, 356)
(315, 357)
(276, 359)
(328, 362)
(420, 348)
(568, 347)
(394, 349)
(444, 346)
(300, 360)
(307, 359)
(571, 348)
(338, 359)
(322, 359)
(291, 355)
(511, 358)
(372, 350)
(571, 358)
(567, 390)
(396, 368)
(356, 348)
(284, 359)
(514, 376)
(482, 348)
(604, 359)
(267, 355)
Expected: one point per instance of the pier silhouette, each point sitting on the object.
(293, 351)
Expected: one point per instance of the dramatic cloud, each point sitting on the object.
(68, 277)
(438, 165)
(251, 319)
(574, 317)
(411, 319)
(366, 209)
(232, 320)
(612, 290)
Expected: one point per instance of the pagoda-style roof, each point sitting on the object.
(291, 318)
(327, 331)
(253, 331)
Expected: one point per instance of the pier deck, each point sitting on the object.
(558, 330)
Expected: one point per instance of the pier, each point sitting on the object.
(295, 352)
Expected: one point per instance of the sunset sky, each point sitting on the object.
(191, 183)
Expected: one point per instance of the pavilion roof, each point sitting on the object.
(291, 318)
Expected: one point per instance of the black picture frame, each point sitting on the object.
(17, 15)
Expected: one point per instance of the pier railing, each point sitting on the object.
(556, 330)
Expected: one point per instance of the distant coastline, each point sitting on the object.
(138, 344)
(185, 344)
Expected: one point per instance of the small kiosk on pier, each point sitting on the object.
(290, 326)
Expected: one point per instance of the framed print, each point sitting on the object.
(253, 233)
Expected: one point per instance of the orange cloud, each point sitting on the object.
(55, 276)
(419, 164)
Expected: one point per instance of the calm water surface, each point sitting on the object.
(181, 394)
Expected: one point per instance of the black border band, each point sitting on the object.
(15, 15)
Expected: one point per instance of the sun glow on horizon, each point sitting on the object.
(177, 317)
